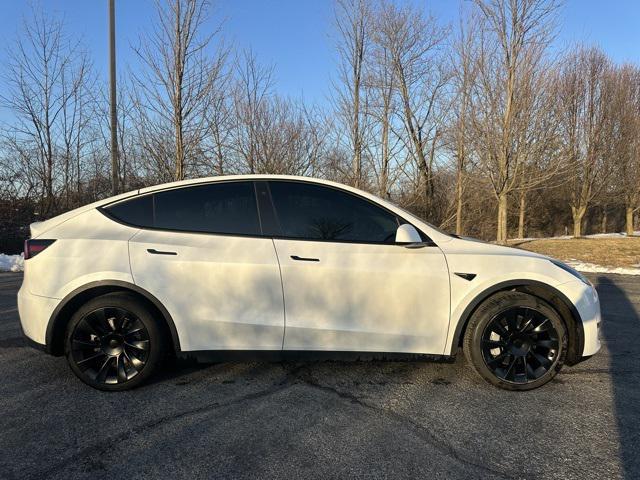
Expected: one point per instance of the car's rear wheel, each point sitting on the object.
(113, 342)
(516, 341)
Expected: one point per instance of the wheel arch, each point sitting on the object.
(565, 308)
(72, 301)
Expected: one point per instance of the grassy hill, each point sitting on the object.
(613, 252)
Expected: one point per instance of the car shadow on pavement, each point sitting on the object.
(621, 332)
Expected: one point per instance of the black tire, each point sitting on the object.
(516, 341)
(114, 343)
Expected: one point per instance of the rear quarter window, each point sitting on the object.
(137, 212)
(225, 208)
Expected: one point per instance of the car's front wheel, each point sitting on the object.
(113, 342)
(516, 341)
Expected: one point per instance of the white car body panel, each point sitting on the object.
(223, 292)
(364, 297)
(585, 299)
(492, 264)
(228, 292)
(89, 248)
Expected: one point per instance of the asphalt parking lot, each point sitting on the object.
(325, 419)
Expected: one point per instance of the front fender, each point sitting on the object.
(543, 289)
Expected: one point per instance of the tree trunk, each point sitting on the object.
(603, 226)
(178, 114)
(629, 217)
(501, 236)
(523, 207)
(578, 215)
(459, 203)
(179, 151)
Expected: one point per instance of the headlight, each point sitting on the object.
(570, 270)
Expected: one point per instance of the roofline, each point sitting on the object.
(433, 234)
(249, 177)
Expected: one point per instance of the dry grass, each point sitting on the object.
(608, 252)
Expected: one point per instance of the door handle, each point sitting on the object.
(160, 252)
(304, 259)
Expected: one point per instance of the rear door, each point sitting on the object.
(347, 286)
(204, 257)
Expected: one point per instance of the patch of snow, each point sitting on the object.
(11, 263)
(593, 268)
(569, 237)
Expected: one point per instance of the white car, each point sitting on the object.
(290, 264)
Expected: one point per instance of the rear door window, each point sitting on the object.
(214, 208)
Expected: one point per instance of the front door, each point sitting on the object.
(347, 286)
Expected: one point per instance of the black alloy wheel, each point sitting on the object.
(516, 341)
(110, 345)
(113, 342)
(520, 345)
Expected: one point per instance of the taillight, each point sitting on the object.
(35, 246)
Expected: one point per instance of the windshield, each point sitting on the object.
(439, 230)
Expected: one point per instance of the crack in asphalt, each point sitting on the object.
(297, 375)
(422, 432)
(106, 444)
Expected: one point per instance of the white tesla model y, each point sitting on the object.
(289, 264)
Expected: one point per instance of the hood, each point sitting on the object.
(473, 246)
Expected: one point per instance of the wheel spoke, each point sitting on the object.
(526, 368)
(135, 360)
(550, 344)
(78, 344)
(526, 323)
(543, 361)
(92, 357)
(539, 328)
(101, 376)
(498, 328)
(498, 359)
(142, 345)
(491, 344)
(100, 317)
(511, 319)
(134, 331)
(122, 373)
(510, 369)
(89, 328)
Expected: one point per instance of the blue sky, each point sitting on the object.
(297, 37)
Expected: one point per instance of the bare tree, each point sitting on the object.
(271, 134)
(516, 34)
(625, 141)
(252, 91)
(464, 54)
(414, 45)
(384, 146)
(582, 97)
(47, 81)
(353, 22)
(179, 81)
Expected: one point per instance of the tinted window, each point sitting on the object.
(214, 208)
(323, 213)
(137, 211)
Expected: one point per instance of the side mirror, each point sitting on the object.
(407, 234)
